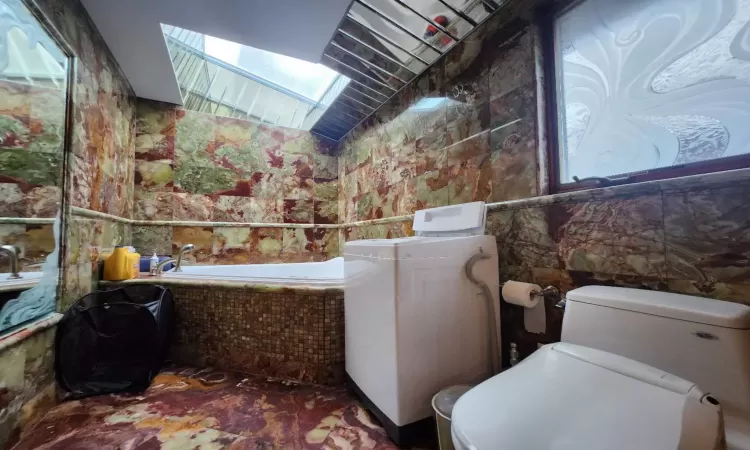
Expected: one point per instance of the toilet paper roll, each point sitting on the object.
(517, 293)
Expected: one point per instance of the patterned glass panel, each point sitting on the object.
(647, 84)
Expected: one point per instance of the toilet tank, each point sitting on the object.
(702, 340)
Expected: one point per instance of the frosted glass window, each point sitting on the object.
(648, 84)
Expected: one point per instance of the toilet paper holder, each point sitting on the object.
(549, 291)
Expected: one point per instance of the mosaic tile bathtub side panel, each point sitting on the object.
(285, 333)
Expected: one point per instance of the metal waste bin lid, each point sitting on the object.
(444, 400)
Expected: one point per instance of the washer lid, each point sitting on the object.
(466, 219)
(570, 397)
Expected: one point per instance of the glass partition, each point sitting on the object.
(33, 95)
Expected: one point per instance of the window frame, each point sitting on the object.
(547, 16)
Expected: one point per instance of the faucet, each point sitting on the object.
(12, 252)
(160, 266)
(187, 248)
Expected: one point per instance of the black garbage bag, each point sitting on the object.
(114, 341)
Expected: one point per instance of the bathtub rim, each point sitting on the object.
(234, 284)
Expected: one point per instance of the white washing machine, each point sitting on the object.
(415, 322)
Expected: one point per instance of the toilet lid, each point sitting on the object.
(566, 396)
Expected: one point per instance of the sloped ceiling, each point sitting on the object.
(131, 28)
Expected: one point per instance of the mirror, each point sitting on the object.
(33, 95)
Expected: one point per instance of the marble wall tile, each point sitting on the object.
(197, 177)
(22, 200)
(466, 120)
(227, 169)
(81, 189)
(266, 244)
(27, 383)
(194, 207)
(12, 200)
(514, 161)
(621, 236)
(326, 242)
(19, 165)
(245, 209)
(326, 207)
(708, 234)
(232, 245)
(233, 132)
(156, 176)
(46, 120)
(524, 238)
(195, 136)
(739, 293)
(325, 212)
(201, 237)
(432, 189)
(298, 211)
(43, 201)
(429, 154)
(299, 184)
(471, 181)
(325, 167)
(519, 103)
(297, 241)
(15, 111)
(475, 146)
(511, 65)
(148, 240)
(155, 131)
(150, 205)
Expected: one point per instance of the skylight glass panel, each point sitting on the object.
(302, 77)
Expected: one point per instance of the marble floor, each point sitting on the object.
(208, 409)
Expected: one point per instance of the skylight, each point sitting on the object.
(225, 78)
(302, 77)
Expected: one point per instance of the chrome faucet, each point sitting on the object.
(177, 262)
(160, 266)
(12, 252)
(187, 248)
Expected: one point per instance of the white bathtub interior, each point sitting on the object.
(329, 272)
(27, 279)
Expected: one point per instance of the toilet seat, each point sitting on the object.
(566, 396)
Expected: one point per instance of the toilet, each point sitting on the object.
(635, 369)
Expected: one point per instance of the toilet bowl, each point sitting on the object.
(635, 369)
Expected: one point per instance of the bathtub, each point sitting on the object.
(327, 273)
(27, 281)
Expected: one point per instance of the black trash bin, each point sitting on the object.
(114, 341)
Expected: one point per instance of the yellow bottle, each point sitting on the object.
(121, 265)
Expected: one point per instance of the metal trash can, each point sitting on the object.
(443, 403)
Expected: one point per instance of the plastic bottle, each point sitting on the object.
(121, 265)
(152, 263)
